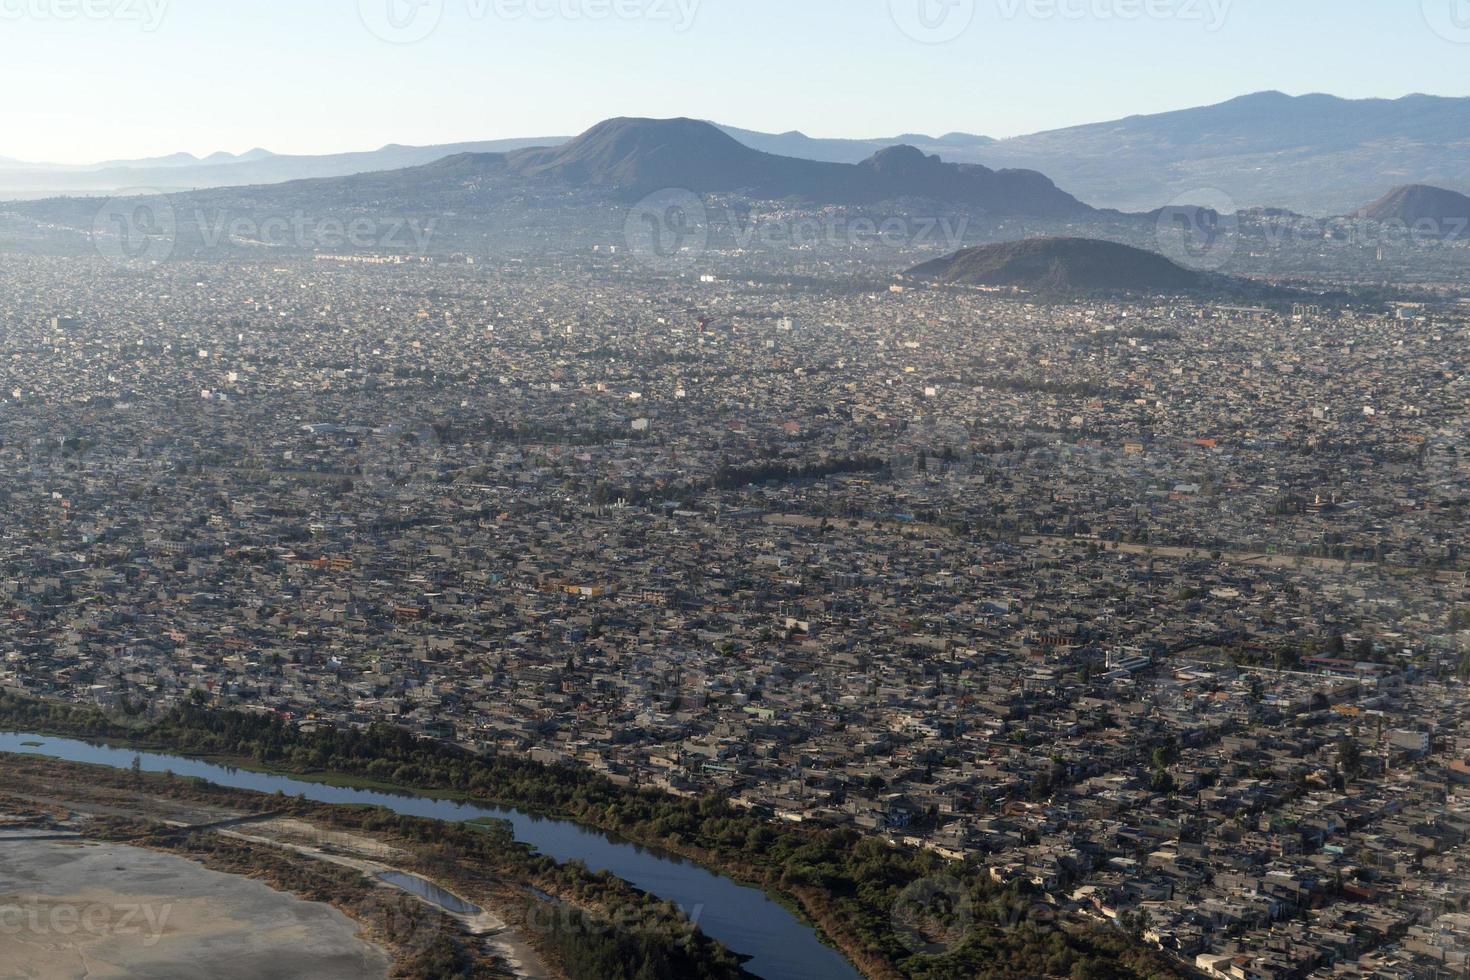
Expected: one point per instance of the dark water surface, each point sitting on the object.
(780, 946)
(431, 892)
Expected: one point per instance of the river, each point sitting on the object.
(779, 945)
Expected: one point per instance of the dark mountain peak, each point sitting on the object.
(1268, 97)
(640, 155)
(630, 135)
(633, 157)
(966, 139)
(628, 158)
(902, 159)
(1274, 100)
(1419, 202)
(1062, 265)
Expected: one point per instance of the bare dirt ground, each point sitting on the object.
(35, 803)
(368, 856)
(86, 911)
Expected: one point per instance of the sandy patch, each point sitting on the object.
(92, 911)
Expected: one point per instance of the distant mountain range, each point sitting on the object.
(180, 171)
(1312, 154)
(639, 156)
(184, 171)
(953, 147)
(190, 160)
(624, 159)
(1063, 265)
(558, 193)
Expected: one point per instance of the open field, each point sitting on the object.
(39, 804)
(88, 910)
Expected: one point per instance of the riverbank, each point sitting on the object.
(826, 923)
(851, 884)
(778, 947)
(266, 835)
(503, 940)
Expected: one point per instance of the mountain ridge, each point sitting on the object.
(1062, 265)
(637, 156)
(1414, 203)
(606, 173)
(1313, 154)
(795, 143)
(22, 180)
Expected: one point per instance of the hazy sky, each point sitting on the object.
(86, 80)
